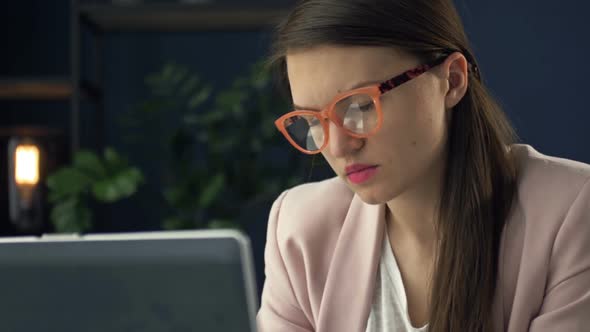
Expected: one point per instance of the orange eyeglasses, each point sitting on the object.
(358, 112)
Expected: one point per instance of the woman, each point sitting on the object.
(437, 221)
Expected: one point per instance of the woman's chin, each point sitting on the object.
(371, 198)
(374, 195)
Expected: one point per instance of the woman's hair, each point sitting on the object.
(480, 175)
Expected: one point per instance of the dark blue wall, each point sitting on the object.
(533, 55)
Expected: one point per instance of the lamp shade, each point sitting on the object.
(28, 155)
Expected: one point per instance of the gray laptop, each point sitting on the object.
(156, 281)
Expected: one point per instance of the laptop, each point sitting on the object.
(155, 281)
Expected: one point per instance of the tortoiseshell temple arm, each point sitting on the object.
(409, 75)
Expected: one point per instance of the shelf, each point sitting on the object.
(43, 89)
(179, 17)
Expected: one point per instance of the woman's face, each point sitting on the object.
(409, 150)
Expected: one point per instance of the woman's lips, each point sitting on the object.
(362, 175)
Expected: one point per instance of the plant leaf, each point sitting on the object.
(208, 119)
(220, 223)
(67, 181)
(172, 223)
(199, 98)
(212, 190)
(89, 163)
(113, 161)
(123, 185)
(106, 191)
(71, 216)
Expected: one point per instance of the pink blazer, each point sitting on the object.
(324, 244)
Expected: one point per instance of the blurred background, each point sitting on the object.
(134, 115)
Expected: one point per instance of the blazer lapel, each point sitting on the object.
(350, 282)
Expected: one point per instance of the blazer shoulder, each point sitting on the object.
(547, 260)
(547, 188)
(548, 176)
(313, 209)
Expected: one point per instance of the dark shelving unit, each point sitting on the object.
(178, 17)
(104, 17)
(58, 88)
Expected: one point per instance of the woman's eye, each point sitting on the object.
(364, 107)
(312, 121)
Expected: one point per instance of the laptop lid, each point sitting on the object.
(156, 281)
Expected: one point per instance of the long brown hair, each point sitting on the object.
(480, 175)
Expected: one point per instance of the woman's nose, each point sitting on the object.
(341, 143)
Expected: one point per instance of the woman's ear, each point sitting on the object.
(455, 72)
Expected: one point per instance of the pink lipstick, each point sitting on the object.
(358, 174)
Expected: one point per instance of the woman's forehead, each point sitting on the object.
(317, 74)
(332, 56)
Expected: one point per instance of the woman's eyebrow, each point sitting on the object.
(296, 107)
(361, 84)
(352, 87)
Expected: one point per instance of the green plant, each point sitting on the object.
(90, 178)
(224, 154)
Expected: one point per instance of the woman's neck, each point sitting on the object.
(412, 215)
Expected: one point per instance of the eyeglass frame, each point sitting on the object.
(374, 91)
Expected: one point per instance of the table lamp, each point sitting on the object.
(24, 187)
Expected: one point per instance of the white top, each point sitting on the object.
(389, 311)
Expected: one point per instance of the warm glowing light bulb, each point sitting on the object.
(27, 165)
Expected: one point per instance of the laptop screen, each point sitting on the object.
(139, 285)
